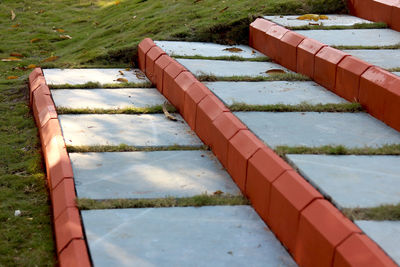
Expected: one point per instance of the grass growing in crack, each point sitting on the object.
(195, 201)
(95, 85)
(303, 107)
(130, 110)
(271, 77)
(339, 150)
(128, 148)
(381, 213)
(228, 58)
(394, 69)
(373, 47)
(375, 25)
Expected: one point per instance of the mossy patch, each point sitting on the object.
(303, 107)
(381, 213)
(127, 148)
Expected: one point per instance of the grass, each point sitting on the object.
(381, 213)
(375, 25)
(103, 34)
(217, 199)
(373, 47)
(394, 69)
(130, 110)
(95, 85)
(127, 148)
(271, 77)
(228, 58)
(303, 107)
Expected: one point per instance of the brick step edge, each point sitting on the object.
(71, 249)
(314, 231)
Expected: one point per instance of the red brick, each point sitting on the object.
(151, 57)
(258, 36)
(392, 106)
(287, 55)
(193, 95)
(75, 255)
(375, 85)
(290, 194)
(43, 108)
(63, 197)
(241, 148)
(264, 168)
(361, 8)
(177, 93)
(321, 229)
(34, 74)
(348, 76)
(326, 61)
(395, 24)
(207, 111)
(58, 164)
(170, 73)
(358, 251)
(274, 35)
(383, 10)
(51, 129)
(159, 67)
(143, 48)
(67, 228)
(306, 52)
(38, 82)
(224, 127)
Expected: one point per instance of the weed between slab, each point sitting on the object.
(228, 58)
(338, 150)
(127, 148)
(130, 110)
(375, 25)
(381, 213)
(394, 69)
(303, 107)
(95, 85)
(374, 47)
(271, 77)
(196, 201)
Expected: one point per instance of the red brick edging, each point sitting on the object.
(310, 227)
(72, 250)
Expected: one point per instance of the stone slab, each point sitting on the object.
(176, 48)
(333, 20)
(205, 236)
(396, 73)
(82, 76)
(386, 234)
(357, 37)
(384, 58)
(107, 98)
(313, 129)
(271, 93)
(226, 68)
(135, 130)
(155, 174)
(353, 181)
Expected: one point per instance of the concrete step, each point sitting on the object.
(205, 236)
(384, 58)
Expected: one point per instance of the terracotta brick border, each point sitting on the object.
(310, 227)
(72, 250)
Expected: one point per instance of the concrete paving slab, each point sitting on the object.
(226, 68)
(205, 236)
(358, 37)
(107, 98)
(175, 48)
(270, 93)
(396, 73)
(333, 20)
(135, 130)
(386, 234)
(353, 181)
(384, 58)
(319, 129)
(82, 76)
(156, 174)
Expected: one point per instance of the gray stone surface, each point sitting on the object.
(384, 58)
(82, 76)
(353, 181)
(333, 20)
(386, 234)
(226, 68)
(205, 236)
(319, 129)
(270, 93)
(107, 98)
(357, 37)
(156, 174)
(396, 73)
(176, 48)
(136, 130)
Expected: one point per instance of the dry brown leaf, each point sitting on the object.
(117, 2)
(120, 72)
(275, 71)
(127, 69)
(15, 25)
(223, 10)
(12, 77)
(233, 49)
(50, 59)
(12, 15)
(122, 80)
(31, 66)
(10, 59)
(218, 192)
(60, 30)
(15, 54)
(35, 40)
(65, 36)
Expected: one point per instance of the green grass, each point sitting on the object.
(103, 35)
(381, 213)
(303, 107)
(130, 110)
(95, 85)
(217, 199)
(373, 47)
(228, 58)
(375, 25)
(271, 77)
(127, 148)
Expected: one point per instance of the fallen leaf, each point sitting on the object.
(275, 71)
(314, 17)
(12, 77)
(20, 68)
(60, 30)
(15, 54)
(65, 36)
(15, 25)
(122, 80)
(233, 49)
(10, 59)
(323, 17)
(120, 72)
(31, 66)
(218, 192)
(127, 69)
(12, 15)
(50, 59)
(223, 10)
(35, 40)
(166, 113)
(117, 2)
